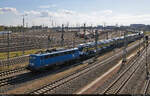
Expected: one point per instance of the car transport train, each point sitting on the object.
(42, 61)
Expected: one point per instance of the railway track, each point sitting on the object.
(25, 77)
(21, 79)
(54, 85)
(147, 85)
(13, 79)
(9, 72)
(117, 85)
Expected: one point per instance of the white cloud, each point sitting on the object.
(47, 13)
(47, 6)
(7, 10)
(107, 12)
(70, 12)
(32, 12)
(64, 16)
(73, 17)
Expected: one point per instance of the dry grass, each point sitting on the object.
(4, 68)
(18, 53)
(147, 33)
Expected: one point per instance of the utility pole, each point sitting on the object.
(62, 36)
(96, 39)
(23, 36)
(74, 41)
(67, 26)
(146, 64)
(139, 46)
(104, 26)
(52, 23)
(105, 31)
(84, 30)
(91, 32)
(107, 35)
(8, 43)
(91, 28)
(79, 30)
(27, 25)
(48, 41)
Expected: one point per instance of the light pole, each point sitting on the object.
(23, 21)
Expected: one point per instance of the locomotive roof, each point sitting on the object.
(55, 52)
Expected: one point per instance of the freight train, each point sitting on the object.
(38, 62)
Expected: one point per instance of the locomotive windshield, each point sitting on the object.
(32, 59)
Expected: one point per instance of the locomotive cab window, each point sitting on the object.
(32, 57)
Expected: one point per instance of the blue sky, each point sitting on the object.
(74, 12)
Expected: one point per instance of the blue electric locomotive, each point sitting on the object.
(41, 61)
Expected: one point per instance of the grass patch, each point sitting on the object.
(147, 33)
(130, 33)
(3, 55)
(4, 68)
(17, 53)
